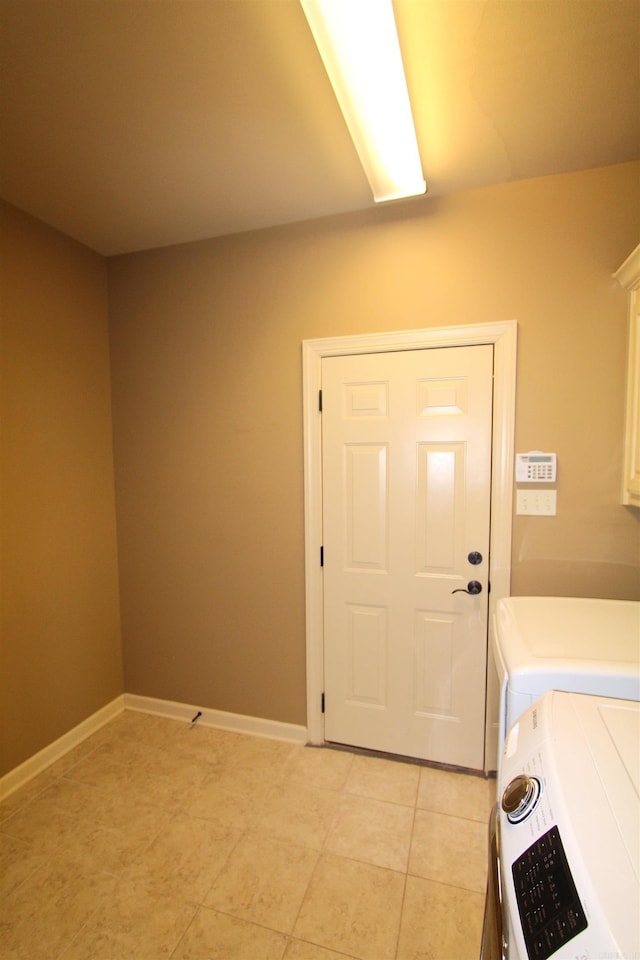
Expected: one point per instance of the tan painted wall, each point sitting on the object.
(206, 365)
(61, 649)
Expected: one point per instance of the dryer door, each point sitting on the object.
(494, 945)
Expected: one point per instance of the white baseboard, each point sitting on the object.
(237, 722)
(20, 775)
(256, 726)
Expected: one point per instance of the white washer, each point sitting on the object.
(565, 857)
(575, 644)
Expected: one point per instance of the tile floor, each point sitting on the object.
(156, 840)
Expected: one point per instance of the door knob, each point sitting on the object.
(473, 587)
(475, 557)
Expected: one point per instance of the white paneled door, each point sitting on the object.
(406, 446)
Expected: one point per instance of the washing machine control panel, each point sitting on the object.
(550, 910)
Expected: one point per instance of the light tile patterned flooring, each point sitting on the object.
(157, 840)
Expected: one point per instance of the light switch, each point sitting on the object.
(536, 503)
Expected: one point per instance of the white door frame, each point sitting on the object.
(504, 338)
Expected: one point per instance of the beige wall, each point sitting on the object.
(61, 651)
(206, 367)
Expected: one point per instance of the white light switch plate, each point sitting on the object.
(536, 503)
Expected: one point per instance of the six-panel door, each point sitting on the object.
(406, 496)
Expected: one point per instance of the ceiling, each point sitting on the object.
(131, 124)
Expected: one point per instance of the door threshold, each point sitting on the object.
(399, 758)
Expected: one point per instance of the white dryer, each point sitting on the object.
(564, 877)
(576, 644)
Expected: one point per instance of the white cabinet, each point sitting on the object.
(629, 276)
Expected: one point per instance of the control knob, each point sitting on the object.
(520, 797)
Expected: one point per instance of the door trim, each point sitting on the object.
(503, 336)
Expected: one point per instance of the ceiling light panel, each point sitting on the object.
(358, 43)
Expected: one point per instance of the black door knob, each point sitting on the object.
(475, 557)
(473, 587)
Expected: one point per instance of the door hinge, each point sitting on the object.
(322, 556)
(320, 400)
(322, 703)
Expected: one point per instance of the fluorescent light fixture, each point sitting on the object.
(358, 43)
